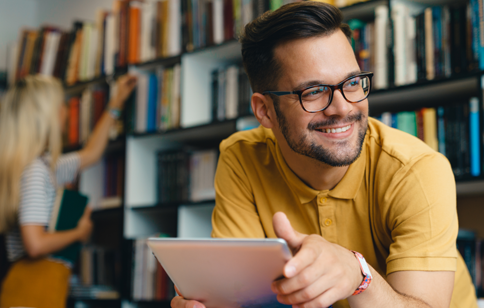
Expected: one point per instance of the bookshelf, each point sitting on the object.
(142, 215)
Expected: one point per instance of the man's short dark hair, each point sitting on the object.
(290, 22)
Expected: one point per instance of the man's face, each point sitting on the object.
(321, 60)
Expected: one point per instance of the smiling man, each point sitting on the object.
(369, 211)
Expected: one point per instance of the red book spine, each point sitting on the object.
(74, 121)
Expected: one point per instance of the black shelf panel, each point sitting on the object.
(94, 302)
(437, 91)
(210, 131)
(113, 146)
(79, 86)
(170, 205)
(170, 61)
(154, 304)
(362, 10)
(109, 212)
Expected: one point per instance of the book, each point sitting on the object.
(68, 209)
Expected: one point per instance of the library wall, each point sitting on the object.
(15, 14)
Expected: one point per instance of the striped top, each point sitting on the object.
(37, 196)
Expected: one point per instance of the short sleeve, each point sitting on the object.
(34, 208)
(67, 168)
(423, 217)
(235, 214)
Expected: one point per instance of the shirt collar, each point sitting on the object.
(347, 188)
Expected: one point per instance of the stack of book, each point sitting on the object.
(84, 112)
(363, 43)
(150, 281)
(154, 30)
(186, 176)
(453, 130)
(436, 42)
(157, 100)
(99, 273)
(231, 93)
(471, 249)
(113, 182)
(370, 43)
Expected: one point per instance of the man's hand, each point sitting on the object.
(319, 274)
(180, 302)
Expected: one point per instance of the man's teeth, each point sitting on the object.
(336, 130)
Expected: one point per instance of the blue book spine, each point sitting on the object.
(394, 120)
(474, 10)
(481, 34)
(474, 136)
(441, 129)
(152, 99)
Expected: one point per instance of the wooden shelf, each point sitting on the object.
(470, 188)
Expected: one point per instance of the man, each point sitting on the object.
(343, 182)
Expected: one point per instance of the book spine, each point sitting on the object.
(474, 137)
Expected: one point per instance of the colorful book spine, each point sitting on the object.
(474, 137)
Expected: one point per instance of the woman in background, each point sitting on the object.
(32, 117)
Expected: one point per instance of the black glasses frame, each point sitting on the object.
(333, 88)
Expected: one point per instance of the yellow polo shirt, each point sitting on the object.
(396, 203)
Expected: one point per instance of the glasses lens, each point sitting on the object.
(357, 88)
(316, 98)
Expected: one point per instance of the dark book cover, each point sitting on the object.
(215, 93)
(228, 20)
(467, 246)
(437, 31)
(420, 47)
(458, 44)
(464, 140)
(68, 209)
(450, 128)
(459, 111)
(209, 25)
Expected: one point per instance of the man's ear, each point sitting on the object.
(262, 107)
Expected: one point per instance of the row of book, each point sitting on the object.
(113, 182)
(150, 281)
(371, 46)
(231, 93)
(453, 130)
(84, 111)
(363, 43)
(157, 100)
(186, 176)
(471, 248)
(436, 42)
(99, 266)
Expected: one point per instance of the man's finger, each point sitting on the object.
(284, 230)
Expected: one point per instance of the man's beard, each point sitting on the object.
(340, 154)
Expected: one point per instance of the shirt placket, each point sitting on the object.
(327, 222)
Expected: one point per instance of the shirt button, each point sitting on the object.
(328, 222)
(323, 200)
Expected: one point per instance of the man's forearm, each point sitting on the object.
(380, 294)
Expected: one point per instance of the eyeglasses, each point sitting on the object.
(318, 97)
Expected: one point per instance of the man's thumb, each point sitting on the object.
(284, 230)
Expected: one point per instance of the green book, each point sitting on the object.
(407, 122)
(68, 209)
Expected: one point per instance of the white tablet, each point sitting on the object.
(224, 272)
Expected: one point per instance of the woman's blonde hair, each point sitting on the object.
(29, 127)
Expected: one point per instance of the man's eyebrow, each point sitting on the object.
(310, 83)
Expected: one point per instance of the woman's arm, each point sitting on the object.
(38, 242)
(96, 144)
